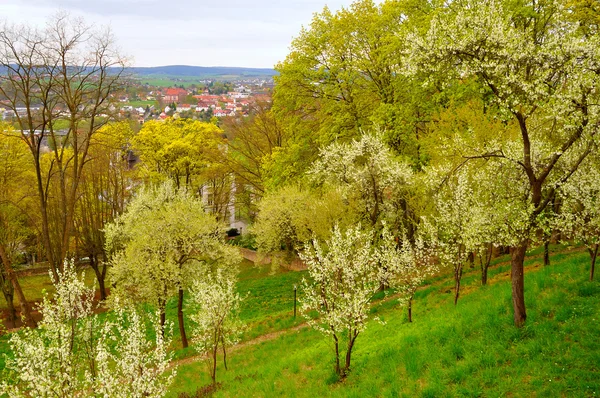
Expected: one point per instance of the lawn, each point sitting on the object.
(143, 104)
(472, 349)
(468, 350)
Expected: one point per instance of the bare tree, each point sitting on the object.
(58, 82)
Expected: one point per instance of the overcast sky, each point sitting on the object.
(250, 33)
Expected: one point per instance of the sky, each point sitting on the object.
(244, 33)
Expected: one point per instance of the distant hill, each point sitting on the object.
(201, 71)
(171, 71)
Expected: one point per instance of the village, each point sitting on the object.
(144, 102)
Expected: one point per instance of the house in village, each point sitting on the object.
(223, 112)
(174, 94)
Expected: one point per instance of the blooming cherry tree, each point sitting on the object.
(455, 227)
(70, 355)
(342, 280)
(48, 361)
(214, 305)
(580, 216)
(538, 69)
(128, 364)
(163, 239)
(406, 264)
(367, 174)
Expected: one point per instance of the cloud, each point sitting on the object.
(252, 33)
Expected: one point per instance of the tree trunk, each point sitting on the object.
(163, 316)
(351, 339)
(546, 253)
(471, 260)
(224, 351)
(518, 283)
(100, 275)
(410, 308)
(485, 264)
(12, 311)
(458, 270)
(213, 372)
(25, 308)
(102, 288)
(594, 256)
(184, 341)
(338, 371)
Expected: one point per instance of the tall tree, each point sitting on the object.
(343, 75)
(539, 70)
(62, 75)
(15, 226)
(176, 149)
(161, 241)
(191, 154)
(103, 192)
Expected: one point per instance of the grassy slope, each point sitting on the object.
(34, 286)
(470, 350)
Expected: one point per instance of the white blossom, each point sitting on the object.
(70, 355)
(128, 364)
(342, 279)
(214, 308)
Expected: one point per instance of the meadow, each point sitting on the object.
(471, 349)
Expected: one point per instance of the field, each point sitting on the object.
(169, 81)
(186, 81)
(143, 104)
(468, 350)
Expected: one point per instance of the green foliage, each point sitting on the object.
(344, 74)
(161, 242)
(291, 216)
(177, 149)
(246, 240)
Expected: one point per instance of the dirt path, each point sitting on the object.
(248, 343)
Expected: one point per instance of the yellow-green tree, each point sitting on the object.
(104, 189)
(292, 216)
(191, 154)
(161, 243)
(343, 74)
(176, 149)
(16, 175)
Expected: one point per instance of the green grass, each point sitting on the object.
(267, 306)
(472, 349)
(143, 104)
